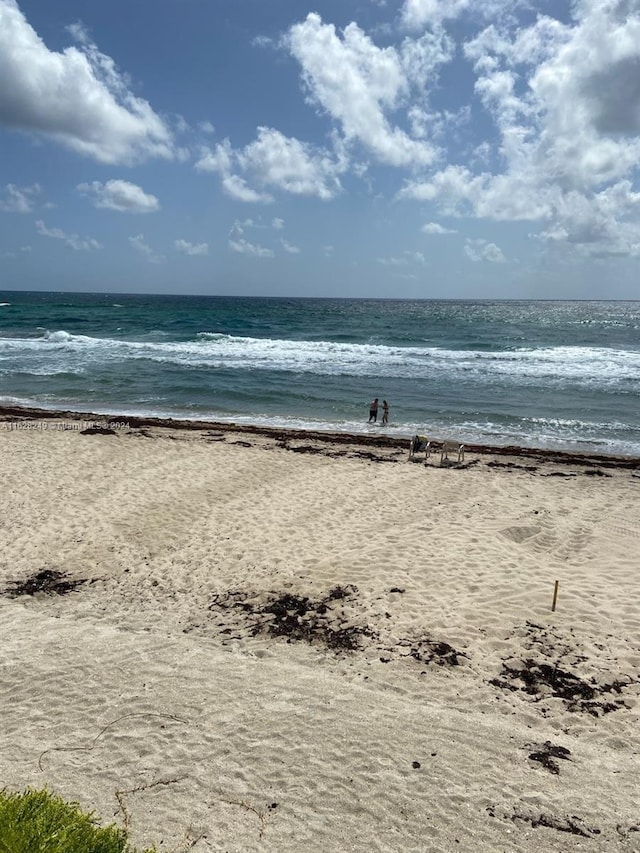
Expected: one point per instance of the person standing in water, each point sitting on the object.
(373, 410)
(385, 412)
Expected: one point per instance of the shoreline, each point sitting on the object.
(10, 414)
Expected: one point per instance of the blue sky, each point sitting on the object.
(374, 148)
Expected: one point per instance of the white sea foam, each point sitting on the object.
(592, 366)
(58, 337)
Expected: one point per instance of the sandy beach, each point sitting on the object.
(229, 639)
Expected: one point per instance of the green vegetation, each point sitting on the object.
(40, 822)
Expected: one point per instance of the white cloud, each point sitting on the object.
(74, 241)
(237, 188)
(219, 160)
(237, 229)
(239, 225)
(238, 243)
(120, 195)
(278, 224)
(244, 247)
(436, 228)
(276, 161)
(512, 196)
(77, 97)
(481, 250)
(420, 58)
(290, 165)
(590, 90)
(191, 248)
(417, 14)
(79, 33)
(608, 223)
(264, 42)
(24, 249)
(222, 160)
(139, 245)
(404, 260)
(19, 199)
(290, 248)
(565, 101)
(355, 82)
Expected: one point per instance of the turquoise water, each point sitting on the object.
(562, 375)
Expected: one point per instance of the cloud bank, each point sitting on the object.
(77, 97)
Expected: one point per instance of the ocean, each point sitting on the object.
(557, 375)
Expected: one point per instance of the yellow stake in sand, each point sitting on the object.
(555, 596)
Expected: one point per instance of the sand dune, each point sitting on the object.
(294, 644)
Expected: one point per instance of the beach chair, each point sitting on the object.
(453, 447)
(418, 444)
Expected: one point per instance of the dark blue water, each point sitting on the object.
(545, 374)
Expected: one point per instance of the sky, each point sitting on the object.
(420, 149)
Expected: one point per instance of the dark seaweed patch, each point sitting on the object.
(141, 433)
(428, 651)
(625, 830)
(547, 753)
(333, 453)
(298, 617)
(551, 644)
(458, 466)
(573, 824)
(49, 581)
(511, 466)
(327, 620)
(372, 457)
(539, 680)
